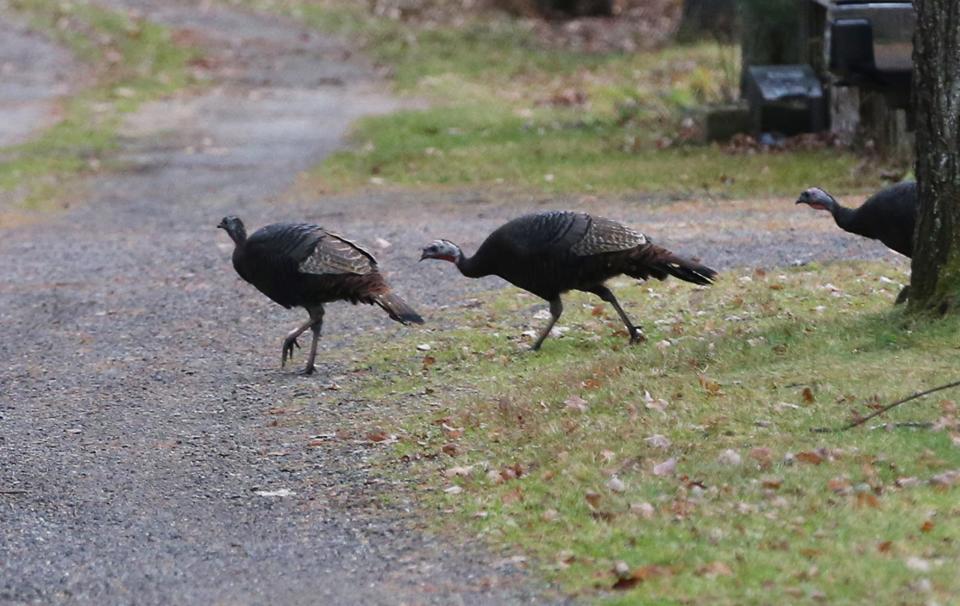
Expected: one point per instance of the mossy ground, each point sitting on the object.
(129, 62)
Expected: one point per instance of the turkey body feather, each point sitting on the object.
(552, 252)
(304, 265)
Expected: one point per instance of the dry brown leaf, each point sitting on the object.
(714, 569)
(590, 384)
(884, 546)
(514, 496)
(808, 396)
(927, 526)
(809, 456)
(450, 449)
(867, 499)
(592, 497)
(378, 436)
(639, 575)
(709, 385)
(428, 361)
(772, 483)
(839, 485)
(762, 455)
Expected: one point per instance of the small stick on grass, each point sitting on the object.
(859, 422)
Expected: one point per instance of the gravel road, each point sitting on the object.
(149, 452)
(34, 73)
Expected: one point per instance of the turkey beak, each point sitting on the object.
(423, 255)
(222, 224)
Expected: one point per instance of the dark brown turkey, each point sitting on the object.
(549, 253)
(303, 265)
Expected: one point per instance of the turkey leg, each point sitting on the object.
(636, 335)
(556, 308)
(316, 314)
(291, 341)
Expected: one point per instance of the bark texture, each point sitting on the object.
(935, 280)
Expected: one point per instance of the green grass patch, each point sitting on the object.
(689, 461)
(131, 61)
(508, 108)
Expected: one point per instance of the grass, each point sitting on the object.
(564, 455)
(507, 109)
(131, 62)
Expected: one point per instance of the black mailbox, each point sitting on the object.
(785, 99)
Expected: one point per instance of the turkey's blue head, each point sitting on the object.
(234, 227)
(817, 198)
(445, 250)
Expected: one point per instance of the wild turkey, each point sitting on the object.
(549, 253)
(303, 265)
(888, 215)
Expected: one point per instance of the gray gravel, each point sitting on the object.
(142, 406)
(142, 409)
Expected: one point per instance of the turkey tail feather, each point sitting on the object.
(397, 308)
(659, 262)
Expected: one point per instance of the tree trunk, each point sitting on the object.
(935, 279)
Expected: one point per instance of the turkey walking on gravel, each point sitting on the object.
(888, 215)
(303, 265)
(549, 253)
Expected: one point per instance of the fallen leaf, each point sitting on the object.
(597, 310)
(762, 455)
(927, 526)
(946, 479)
(839, 485)
(639, 575)
(511, 497)
(450, 449)
(665, 468)
(280, 492)
(428, 361)
(710, 386)
(907, 482)
(576, 404)
(453, 490)
(658, 441)
(808, 395)
(867, 499)
(593, 498)
(772, 483)
(590, 384)
(459, 472)
(714, 569)
(810, 457)
(550, 515)
(378, 436)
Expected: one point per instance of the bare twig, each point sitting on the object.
(12, 491)
(859, 422)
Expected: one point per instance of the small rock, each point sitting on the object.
(616, 484)
(729, 457)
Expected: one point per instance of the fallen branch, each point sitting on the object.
(859, 422)
(12, 491)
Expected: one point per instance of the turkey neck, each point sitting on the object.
(843, 216)
(471, 267)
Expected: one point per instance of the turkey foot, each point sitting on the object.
(288, 346)
(636, 335)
